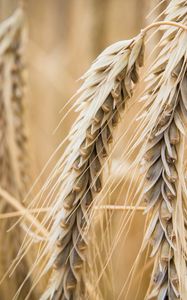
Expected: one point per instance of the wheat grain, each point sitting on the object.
(107, 86)
(164, 193)
(162, 176)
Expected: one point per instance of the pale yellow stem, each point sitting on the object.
(46, 209)
(23, 211)
(120, 207)
(20, 213)
(160, 23)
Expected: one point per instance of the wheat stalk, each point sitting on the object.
(165, 191)
(13, 165)
(162, 191)
(107, 86)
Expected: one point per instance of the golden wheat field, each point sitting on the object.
(93, 123)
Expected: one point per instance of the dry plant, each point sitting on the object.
(165, 191)
(162, 154)
(107, 86)
(76, 182)
(13, 152)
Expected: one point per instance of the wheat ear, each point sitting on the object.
(165, 191)
(162, 191)
(108, 85)
(13, 152)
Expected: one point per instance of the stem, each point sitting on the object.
(120, 207)
(168, 23)
(14, 203)
(20, 213)
(46, 209)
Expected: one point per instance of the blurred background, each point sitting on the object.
(65, 36)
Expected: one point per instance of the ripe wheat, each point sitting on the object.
(165, 192)
(108, 85)
(13, 152)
